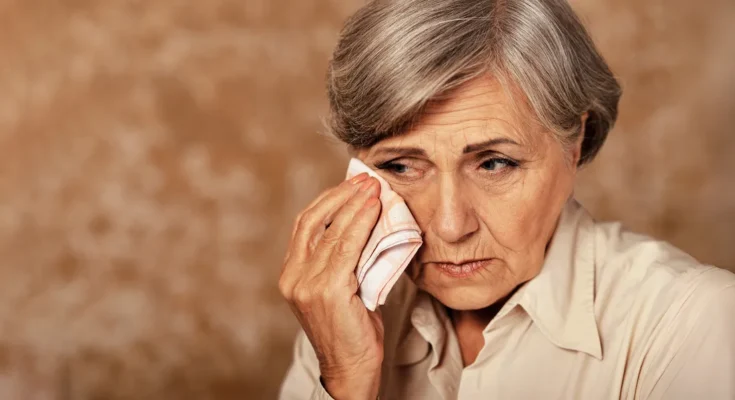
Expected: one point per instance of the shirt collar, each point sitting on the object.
(559, 300)
(427, 328)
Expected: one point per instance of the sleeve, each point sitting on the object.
(302, 379)
(701, 365)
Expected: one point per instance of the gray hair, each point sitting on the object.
(395, 56)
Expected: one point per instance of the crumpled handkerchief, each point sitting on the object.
(392, 244)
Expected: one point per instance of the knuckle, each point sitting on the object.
(343, 249)
(330, 237)
(303, 219)
(285, 287)
(303, 297)
(311, 219)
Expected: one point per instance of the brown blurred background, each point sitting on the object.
(155, 153)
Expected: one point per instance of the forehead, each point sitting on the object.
(480, 110)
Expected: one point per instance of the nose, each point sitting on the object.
(454, 217)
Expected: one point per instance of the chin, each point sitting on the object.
(466, 298)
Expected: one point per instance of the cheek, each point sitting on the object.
(519, 211)
(496, 198)
(511, 221)
(522, 218)
(420, 201)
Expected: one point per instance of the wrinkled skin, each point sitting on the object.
(483, 181)
(319, 282)
(499, 202)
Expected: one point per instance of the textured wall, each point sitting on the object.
(154, 155)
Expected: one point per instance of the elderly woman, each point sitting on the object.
(478, 113)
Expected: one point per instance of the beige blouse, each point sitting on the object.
(612, 315)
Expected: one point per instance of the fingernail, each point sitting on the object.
(358, 178)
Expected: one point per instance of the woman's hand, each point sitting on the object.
(318, 280)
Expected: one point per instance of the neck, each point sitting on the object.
(477, 319)
(469, 324)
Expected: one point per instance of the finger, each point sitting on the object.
(342, 217)
(298, 222)
(312, 222)
(344, 241)
(296, 258)
(318, 199)
(346, 213)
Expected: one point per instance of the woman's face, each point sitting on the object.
(486, 185)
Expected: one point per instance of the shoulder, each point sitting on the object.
(648, 267)
(655, 290)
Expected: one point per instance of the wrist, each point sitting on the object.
(362, 388)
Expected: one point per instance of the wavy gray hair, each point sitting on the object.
(395, 56)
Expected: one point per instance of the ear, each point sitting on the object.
(577, 150)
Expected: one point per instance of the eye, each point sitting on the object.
(404, 169)
(394, 167)
(495, 164)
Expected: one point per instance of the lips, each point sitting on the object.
(461, 270)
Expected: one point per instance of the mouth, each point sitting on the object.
(462, 269)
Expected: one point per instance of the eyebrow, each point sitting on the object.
(473, 148)
(419, 152)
